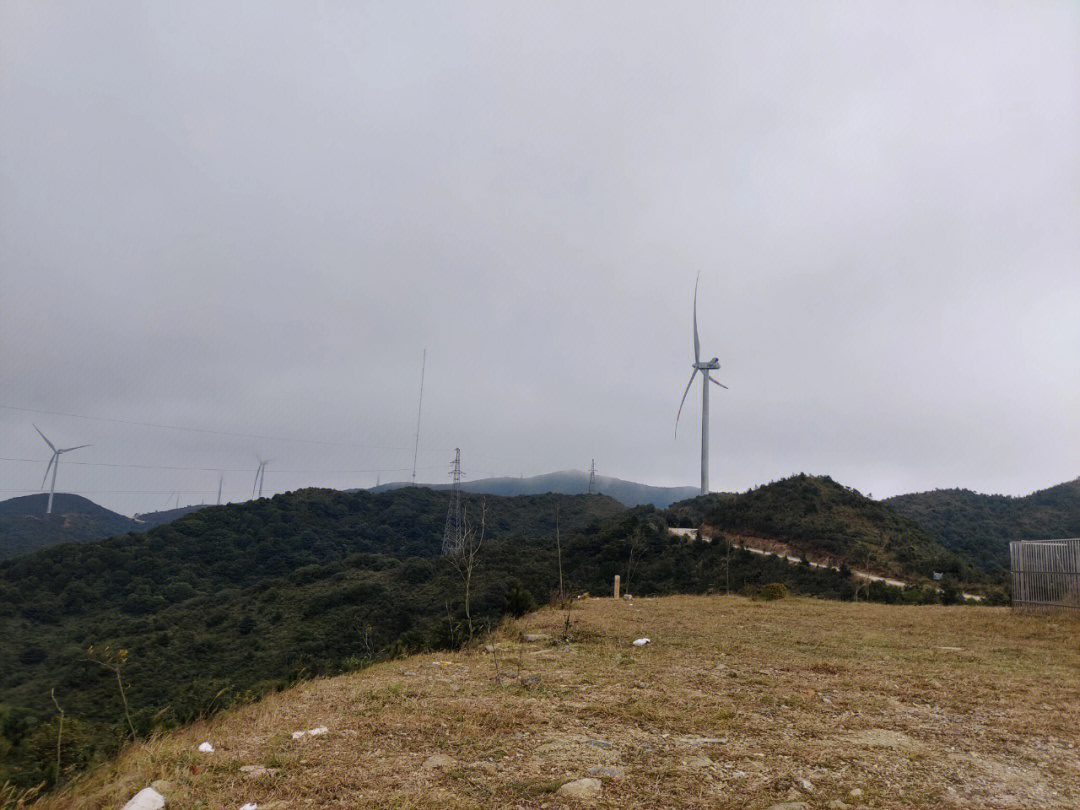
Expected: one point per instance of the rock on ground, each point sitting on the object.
(438, 761)
(255, 771)
(146, 799)
(587, 788)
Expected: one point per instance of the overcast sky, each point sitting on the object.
(253, 218)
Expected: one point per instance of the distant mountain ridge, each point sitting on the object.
(981, 526)
(568, 482)
(24, 526)
(149, 520)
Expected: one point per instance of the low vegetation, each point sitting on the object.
(230, 603)
(735, 703)
(815, 516)
(979, 527)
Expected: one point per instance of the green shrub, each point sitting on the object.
(773, 591)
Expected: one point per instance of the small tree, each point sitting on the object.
(463, 552)
(564, 601)
(637, 549)
(59, 733)
(558, 549)
(113, 660)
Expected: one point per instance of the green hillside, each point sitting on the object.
(229, 602)
(979, 527)
(24, 526)
(814, 515)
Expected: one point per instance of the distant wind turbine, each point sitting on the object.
(220, 481)
(704, 368)
(260, 476)
(54, 463)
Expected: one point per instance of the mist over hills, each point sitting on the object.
(568, 482)
(980, 527)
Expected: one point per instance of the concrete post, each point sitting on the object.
(616, 586)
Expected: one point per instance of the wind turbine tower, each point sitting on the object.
(592, 477)
(54, 463)
(704, 367)
(260, 477)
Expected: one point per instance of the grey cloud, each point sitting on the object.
(253, 218)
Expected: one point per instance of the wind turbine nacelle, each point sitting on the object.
(708, 365)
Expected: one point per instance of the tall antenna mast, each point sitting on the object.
(592, 477)
(419, 408)
(451, 540)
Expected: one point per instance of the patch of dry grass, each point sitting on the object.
(734, 704)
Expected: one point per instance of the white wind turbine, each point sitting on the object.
(54, 463)
(704, 368)
(260, 476)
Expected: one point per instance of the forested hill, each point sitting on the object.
(816, 516)
(231, 601)
(24, 526)
(981, 526)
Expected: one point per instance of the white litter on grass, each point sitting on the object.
(250, 806)
(641, 642)
(146, 799)
(315, 732)
(206, 748)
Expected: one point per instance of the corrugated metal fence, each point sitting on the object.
(1045, 574)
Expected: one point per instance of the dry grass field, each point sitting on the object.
(733, 704)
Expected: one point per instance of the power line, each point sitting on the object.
(220, 469)
(201, 430)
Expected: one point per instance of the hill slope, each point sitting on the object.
(981, 526)
(233, 601)
(24, 526)
(570, 482)
(148, 520)
(816, 517)
(732, 705)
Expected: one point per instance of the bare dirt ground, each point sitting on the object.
(733, 704)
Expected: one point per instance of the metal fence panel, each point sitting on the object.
(1045, 574)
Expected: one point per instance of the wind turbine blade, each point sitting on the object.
(47, 468)
(687, 391)
(718, 383)
(69, 449)
(42, 435)
(697, 343)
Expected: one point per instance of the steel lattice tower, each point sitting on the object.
(451, 540)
